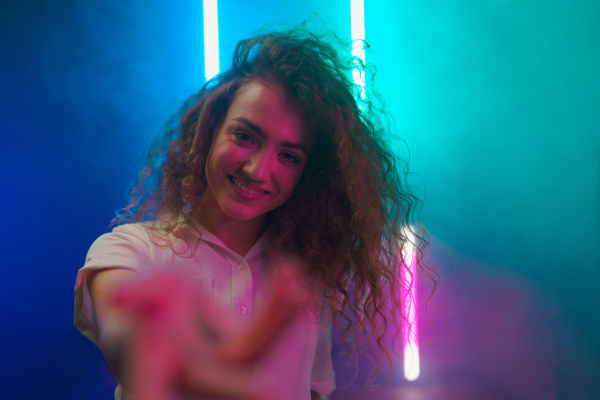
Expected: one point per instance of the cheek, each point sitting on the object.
(220, 155)
(211, 172)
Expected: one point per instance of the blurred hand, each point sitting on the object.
(179, 342)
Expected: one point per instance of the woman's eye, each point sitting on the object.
(244, 137)
(289, 157)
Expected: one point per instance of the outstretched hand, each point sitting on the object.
(179, 342)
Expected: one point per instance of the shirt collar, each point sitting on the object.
(257, 249)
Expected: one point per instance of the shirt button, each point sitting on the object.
(243, 310)
(242, 266)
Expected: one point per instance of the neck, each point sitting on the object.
(239, 236)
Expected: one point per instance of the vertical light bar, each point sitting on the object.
(211, 39)
(410, 328)
(357, 31)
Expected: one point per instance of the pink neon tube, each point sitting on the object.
(410, 327)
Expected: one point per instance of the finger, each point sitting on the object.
(286, 302)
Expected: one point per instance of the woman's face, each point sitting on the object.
(257, 155)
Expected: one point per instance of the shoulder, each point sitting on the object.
(127, 246)
(148, 234)
(138, 229)
(130, 235)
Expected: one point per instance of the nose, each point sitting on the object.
(257, 168)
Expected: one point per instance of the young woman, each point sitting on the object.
(272, 210)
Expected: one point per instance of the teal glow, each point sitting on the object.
(211, 39)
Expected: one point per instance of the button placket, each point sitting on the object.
(242, 289)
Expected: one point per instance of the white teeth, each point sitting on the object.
(244, 188)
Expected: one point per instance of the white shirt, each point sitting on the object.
(296, 363)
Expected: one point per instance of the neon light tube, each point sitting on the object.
(410, 327)
(211, 39)
(357, 31)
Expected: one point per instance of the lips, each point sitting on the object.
(244, 187)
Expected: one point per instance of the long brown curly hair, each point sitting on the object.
(347, 213)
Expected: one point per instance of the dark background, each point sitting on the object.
(498, 101)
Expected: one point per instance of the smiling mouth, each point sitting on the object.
(244, 188)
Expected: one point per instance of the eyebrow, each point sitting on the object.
(257, 129)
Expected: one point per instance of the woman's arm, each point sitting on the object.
(112, 326)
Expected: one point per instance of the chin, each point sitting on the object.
(239, 213)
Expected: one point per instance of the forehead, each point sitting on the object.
(256, 91)
(268, 108)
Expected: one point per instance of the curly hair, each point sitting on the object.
(347, 213)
